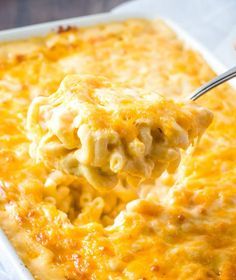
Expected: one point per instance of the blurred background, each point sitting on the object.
(211, 22)
(15, 13)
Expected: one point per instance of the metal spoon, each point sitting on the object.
(231, 73)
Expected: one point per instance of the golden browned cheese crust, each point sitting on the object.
(182, 227)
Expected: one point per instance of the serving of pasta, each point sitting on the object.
(98, 130)
(89, 150)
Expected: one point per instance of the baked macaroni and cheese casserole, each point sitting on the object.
(92, 129)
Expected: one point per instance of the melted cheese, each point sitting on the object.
(105, 132)
(182, 227)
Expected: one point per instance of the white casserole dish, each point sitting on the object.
(14, 267)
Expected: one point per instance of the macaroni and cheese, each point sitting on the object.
(96, 129)
(182, 226)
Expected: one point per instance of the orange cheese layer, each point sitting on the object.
(181, 227)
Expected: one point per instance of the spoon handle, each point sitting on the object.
(231, 73)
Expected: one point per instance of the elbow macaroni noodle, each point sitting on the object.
(103, 132)
(181, 226)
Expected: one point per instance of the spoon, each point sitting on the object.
(231, 73)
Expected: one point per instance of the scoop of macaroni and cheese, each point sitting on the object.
(106, 132)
